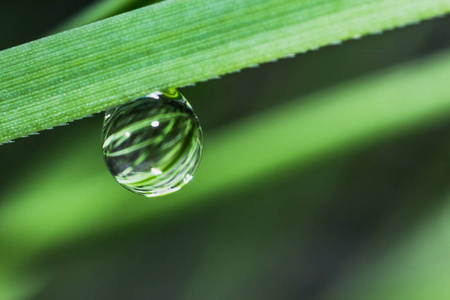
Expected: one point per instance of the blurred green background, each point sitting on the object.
(367, 221)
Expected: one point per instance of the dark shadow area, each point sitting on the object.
(22, 21)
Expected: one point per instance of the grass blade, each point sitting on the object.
(174, 43)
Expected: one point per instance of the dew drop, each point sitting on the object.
(153, 145)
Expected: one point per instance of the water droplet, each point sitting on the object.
(153, 145)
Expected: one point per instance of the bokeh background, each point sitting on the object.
(368, 221)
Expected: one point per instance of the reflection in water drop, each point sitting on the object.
(153, 145)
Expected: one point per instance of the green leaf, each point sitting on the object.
(174, 43)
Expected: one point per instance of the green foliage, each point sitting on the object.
(172, 44)
(274, 189)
